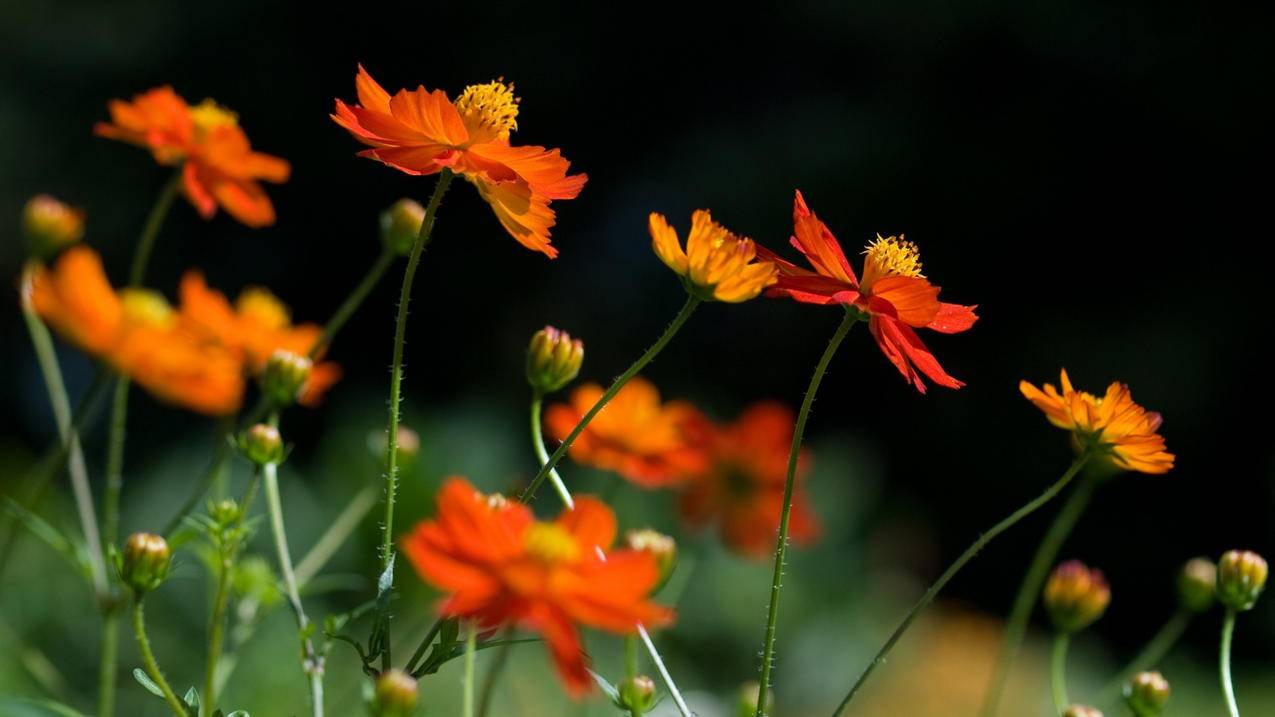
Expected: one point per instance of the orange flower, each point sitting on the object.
(742, 489)
(893, 294)
(256, 326)
(634, 435)
(136, 332)
(1112, 425)
(717, 264)
(499, 565)
(421, 132)
(218, 164)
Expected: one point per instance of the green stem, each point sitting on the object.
(1029, 590)
(148, 661)
(1150, 656)
(221, 452)
(685, 313)
(954, 568)
(150, 232)
(664, 673)
(354, 300)
(471, 649)
(115, 462)
(498, 663)
(631, 667)
(781, 545)
(1058, 672)
(396, 386)
(538, 442)
(107, 656)
(1224, 663)
(428, 640)
(335, 536)
(216, 630)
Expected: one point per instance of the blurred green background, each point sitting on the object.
(1085, 172)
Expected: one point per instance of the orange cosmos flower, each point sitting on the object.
(893, 294)
(635, 435)
(499, 565)
(257, 325)
(742, 488)
(1112, 425)
(136, 332)
(218, 164)
(422, 132)
(717, 264)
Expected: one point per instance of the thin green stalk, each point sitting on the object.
(685, 313)
(108, 653)
(538, 442)
(150, 232)
(216, 631)
(1058, 672)
(336, 535)
(1029, 590)
(471, 649)
(488, 691)
(115, 462)
(954, 568)
(631, 667)
(428, 640)
(381, 625)
(1224, 663)
(216, 466)
(1150, 656)
(664, 673)
(352, 302)
(148, 661)
(781, 545)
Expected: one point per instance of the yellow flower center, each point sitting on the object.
(209, 115)
(550, 543)
(144, 306)
(890, 256)
(489, 110)
(263, 308)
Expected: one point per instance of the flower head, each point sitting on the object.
(1115, 427)
(421, 132)
(498, 565)
(717, 264)
(219, 167)
(1076, 596)
(1241, 578)
(553, 359)
(741, 488)
(893, 293)
(1146, 694)
(635, 435)
(144, 562)
(51, 225)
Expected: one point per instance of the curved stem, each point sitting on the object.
(353, 301)
(954, 568)
(1029, 590)
(471, 648)
(538, 442)
(1224, 663)
(685, 313)
(381, 625)
(781, 545)
(148, 661)
(1152, 654)
(150, 232)
(1058, 672)
(428, 640)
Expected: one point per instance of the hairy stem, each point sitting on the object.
(148, 660)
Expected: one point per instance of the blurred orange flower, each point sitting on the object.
(717, 264)
(217, 161)
(136, 332)
(742, 488)
(893, 293)
(421, 132)
(635, 435)
(1113, 425)
(499, 565)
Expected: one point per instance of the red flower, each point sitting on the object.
(893, 294)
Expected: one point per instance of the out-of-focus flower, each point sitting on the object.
(394, 695)
(144, 562)
(1241, 577)
(409, 446)
(136, 332)
(262, 444)
(50, 225)
(1113, 426)
(219, 167)
(553, 359)
(635, 435)
(1146, 694)
(1197, 584)
(421, 132)
(717, 265)
(637, 694)
(401, 225)
(742, 486)
(892, 293)
(498, 565)
(1081, 711)
(1076, 596)
(660, 546)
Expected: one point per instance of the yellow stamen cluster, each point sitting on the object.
(490, 109)
(208, 115)
(890, 256)
(263, 307)
(550, 543)
(144, 306)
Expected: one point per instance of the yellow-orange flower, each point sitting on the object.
(717, 264)
(635, 435)
(136, 332)
(218, 164)
(1111, 425)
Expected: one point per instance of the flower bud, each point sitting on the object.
(660, 546)
(224, 512)
(553, 360)
(145, 562)
(1146, 694)
(1241, 576)
(1081, 711)
(1197, 584)
(637, 694)
(409, 446)
(746, 706)
(262, 444)
(285, 376)
(401, 225)
(50, 225)
(395, 695)
(1076, 596)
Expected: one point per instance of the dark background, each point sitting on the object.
(1095, 176)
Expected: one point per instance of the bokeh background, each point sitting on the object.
(1092, 174)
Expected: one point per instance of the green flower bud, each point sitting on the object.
(746, 705)
(660, 546)
(395, 695)
(1197, 584)
(553, 360)
(145, 562)
(1081, 711)
(401, 225)
(262, 444)
(1146, 694)
(285, 375)
(50, 225)
(637, 694)
(1241, 577)
(1076, 596)
(224, 512)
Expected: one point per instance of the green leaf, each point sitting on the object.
(609, 689)
(145, 681)
(48, 534)
(239, 713)
(11, 707)
(192, 701)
